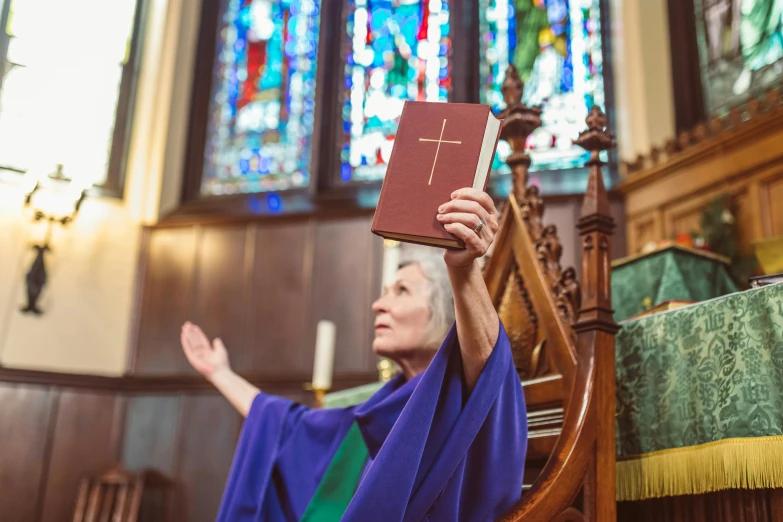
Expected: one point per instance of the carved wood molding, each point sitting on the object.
(167, 383)
(741, 123)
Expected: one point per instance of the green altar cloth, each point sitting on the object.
(351, 396)
(700, 397)
(670, 273)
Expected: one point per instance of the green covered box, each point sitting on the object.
(674, 273)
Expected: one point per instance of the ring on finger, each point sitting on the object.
(480, 226)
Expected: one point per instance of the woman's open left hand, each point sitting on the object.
(472, 217)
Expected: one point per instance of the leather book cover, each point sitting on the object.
(436, 151)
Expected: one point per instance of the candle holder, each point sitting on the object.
(386, 370)
(318, 394)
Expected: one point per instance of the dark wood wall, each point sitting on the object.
(261, 287)
(763, 505)
(56, 428)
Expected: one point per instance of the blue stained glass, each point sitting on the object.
(261, 111)
(556, 46)
(391, 48)
(274, 203)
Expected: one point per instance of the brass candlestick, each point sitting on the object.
(385, 370)
(318, 394)
(319, 397)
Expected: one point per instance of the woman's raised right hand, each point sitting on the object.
(208, 359)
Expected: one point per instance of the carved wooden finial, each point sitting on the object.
(715, 126)
(754, 107)
(684, 139)
(735, 117)
(700, 133)
(596, 139)
(772, 99)
(512, 87)
(519, 122)
(595, 228)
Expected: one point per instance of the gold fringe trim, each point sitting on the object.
(752, 463)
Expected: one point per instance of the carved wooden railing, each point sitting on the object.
(562, 333)
(749, 119)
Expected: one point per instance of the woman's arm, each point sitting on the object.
(477, 320)
(211, 361)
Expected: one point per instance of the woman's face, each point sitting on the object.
(403, 315)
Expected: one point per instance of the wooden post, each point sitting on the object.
(596, 326)
(519, 122)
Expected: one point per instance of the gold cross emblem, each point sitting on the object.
(439, 141)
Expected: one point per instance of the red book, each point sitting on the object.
(439, 148)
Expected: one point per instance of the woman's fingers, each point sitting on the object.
(469, 207)
(475, 244)
(479, 196)
(472, 221)
(194, 340)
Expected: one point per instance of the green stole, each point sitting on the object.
(340, 481)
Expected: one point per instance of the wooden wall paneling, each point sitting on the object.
(722, 506)
(87, 437)
(745, 219)
(151, 433)
(641, 230)
(775, 206)
(209, 429)
(26, 416)
(151, 438)
(754, 205)
(342, 271)
(164, 304)
(279, 297)
(698, 509)
(775, 503)
(765, 510)
(689, 222)
(221, 287)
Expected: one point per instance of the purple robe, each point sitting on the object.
(436, 452)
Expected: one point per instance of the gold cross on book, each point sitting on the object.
(439, 141)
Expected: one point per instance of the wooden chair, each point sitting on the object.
(115, 496)
(562, 333)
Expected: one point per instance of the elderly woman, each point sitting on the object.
(445, 440)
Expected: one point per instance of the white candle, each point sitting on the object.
(324, 355)
(391, 263)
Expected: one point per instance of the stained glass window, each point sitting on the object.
(556, 46)
(262, 107)
(61, 79)
(740, 49)
(397, 50)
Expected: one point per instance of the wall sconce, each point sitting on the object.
(55, 199)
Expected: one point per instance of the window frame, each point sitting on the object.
(114, 185)
(296, 199)
(326, 191)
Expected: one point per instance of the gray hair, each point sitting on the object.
(431, 263)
